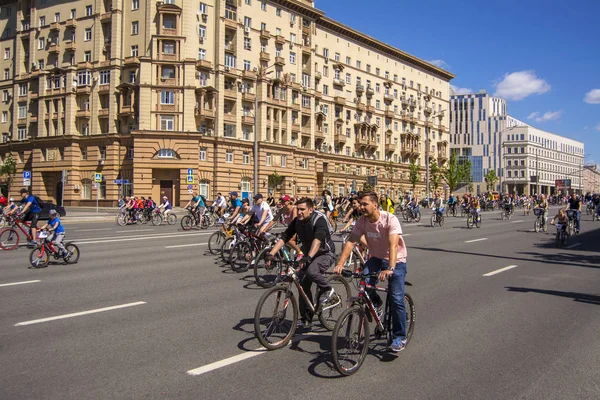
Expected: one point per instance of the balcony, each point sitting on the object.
(230, 93)
(389, 113)
(105, 17)
(33, 95)
(54, 48)
(370, 108)
(104, 63)
(264, 56)
(84, 65)
(428, 110)
(168, 31)
(279, 39)
(168, 81)
(412, 103)
(305, 130)
(126, 110)
(442, 128)
(306, 30)
(71, 23)
(318, 94)
(427, 124)
(246, 74)
(247, 96)
(360, 89)
(361, 106)
(339, 138)
(390, 147)
(339, 100)
(265, 34)
(21, 121)
(204, 64)
(103, 112)
(83, 114)
(54, 26)
(319, 134)
(247, 120)
(404, 101)
(230, 47)
(33, 118)
(388, 97)
(279, 61)
(318, 76)
(70, 45)
(207, 113)
(230, 23)
(338, 82)
(84, 89)
(104, 88)
(168, 57)
(370, 91)
(131, 61)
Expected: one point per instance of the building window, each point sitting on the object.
(134, 51)
(263, 5)
(230, 60)
(247, 43)
(247, 65)
(167, 122)
(86, 189)
(268, 160)
(168, 72)
(84, 153)
(246, 158)
(6, 73)
(202, 31)
(42, 21)
(23, 89)
(229, 130)
(229, 156)
(326, 90)
(203, 8)
(87, 57)
(166, 153)
(4, 116)
(7, 53)
(41, 43)
(283, 161)
(56, 17)
(292, 57)
(135, 27)
(325, 52)
(102, 150)
(278, 12)
(88, 34)
(201, 54)
(167, 97)
(247, 22)
(135, 4)
(22, 134)
(88, 11)
(22, 111)
(202, 153)
(104, 77)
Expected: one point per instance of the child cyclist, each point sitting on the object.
(55, 226)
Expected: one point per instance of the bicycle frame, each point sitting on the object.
(19, 224)
(290, 275)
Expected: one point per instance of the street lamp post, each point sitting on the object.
(259, 74)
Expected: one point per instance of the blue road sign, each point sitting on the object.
(190, 179)
(26, 174)
(190, 171)
(97, 177)
(190, 187)
(121, 181)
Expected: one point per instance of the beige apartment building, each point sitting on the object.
(145, 92)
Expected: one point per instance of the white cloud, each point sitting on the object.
(459, 90)
(547, 116)
(439, 63)
(519, 85)
(592, 97)
(597, 127)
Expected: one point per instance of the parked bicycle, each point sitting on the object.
(276, 315)
(40, 256)
(351, 335)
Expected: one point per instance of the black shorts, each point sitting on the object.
(33, 217)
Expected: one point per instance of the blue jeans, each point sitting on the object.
(577, 220)
(396, 293)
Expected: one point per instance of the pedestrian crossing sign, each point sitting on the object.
(190, 179)
(97, 177)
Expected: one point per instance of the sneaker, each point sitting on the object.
(326, 296)
(379, 310)
(301, 324)
(32, 243)
(398, 345)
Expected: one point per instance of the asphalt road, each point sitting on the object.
(158, 307)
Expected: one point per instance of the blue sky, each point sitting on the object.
(541, 55)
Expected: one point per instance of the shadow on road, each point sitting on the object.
(580, 297)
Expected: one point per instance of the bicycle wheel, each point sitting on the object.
(478, 222)
(274, 320)
(332, 310)
(9, 239)
(39, 257)
(266, 277)
(226, 249)
(418, 216)
(204, 223)
(433, 221)
(441, 221)
(172, 219)
(409, 306)
(405, 215)
(536, 225)
(211, 220)
(121, 220)
(187, 222)
(544, 225)
(350, 341)
(558, 239)
(240, 256)
(73, 253)
(157, 219)
(470, 222)
(215, 242)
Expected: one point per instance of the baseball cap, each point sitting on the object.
(233, 193)
(52, 212)
(12, 199)
(285, 198)
(258, 196)
(24, 191)
(245, 201)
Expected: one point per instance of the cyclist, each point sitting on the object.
(3, 201)
(165, 207)
(327, 203)
(236, 206)
(451, 202)
(387, 204)
(11, 208)
(31, 212)
(595, 201)
(220, 205)
(575, 204)
(353, 214)
(58, 230)
(313, 230)
(263, 213)
(195, 202)
(383, 233)
(288, 213)
(542, 204)
(561, 218)
(130, 207)
(246, 215)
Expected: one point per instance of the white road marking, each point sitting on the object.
(137, 230)
(516, 222)
(500, 270)
(475, 240)
(77, 314)
(573, 245)
(91, 230)
(19, 283)
(241, 357)
(185, 245)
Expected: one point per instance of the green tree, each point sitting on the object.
(367, 187)
(274, 180)
(435, 175)
(490, 179)
(456, 174)
(414, 176)
(8, 170)
(391, 168)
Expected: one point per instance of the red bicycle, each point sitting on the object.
(40, 256)
(10, 238)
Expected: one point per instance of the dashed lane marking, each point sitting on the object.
(500, 270)
(185, 245)
(475, 240)
(18, 283)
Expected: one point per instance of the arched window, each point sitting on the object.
(166, 153)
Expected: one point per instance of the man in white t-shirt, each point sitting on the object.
(220, 204)
(384, 238)
(263, 213)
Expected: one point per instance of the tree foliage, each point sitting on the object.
(490, 179)
(414, 176)
(456, 174)
(435, 175)
(8, 170)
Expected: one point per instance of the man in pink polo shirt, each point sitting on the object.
(384, 238)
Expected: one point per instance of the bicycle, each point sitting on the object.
(412, 214)
(193, 218)
(451, 210)
(506, 213)
(216, 240)
(473, 219)
(158, 217)
(437, 217)
(540, 221)
(267, 276)
(243, 253)
(40, 256)
(351, 334)
(10, 238)
(276, 315)
(562, 235)
(126, 218)
(571, 214)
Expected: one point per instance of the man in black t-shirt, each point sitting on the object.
(575, 204)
